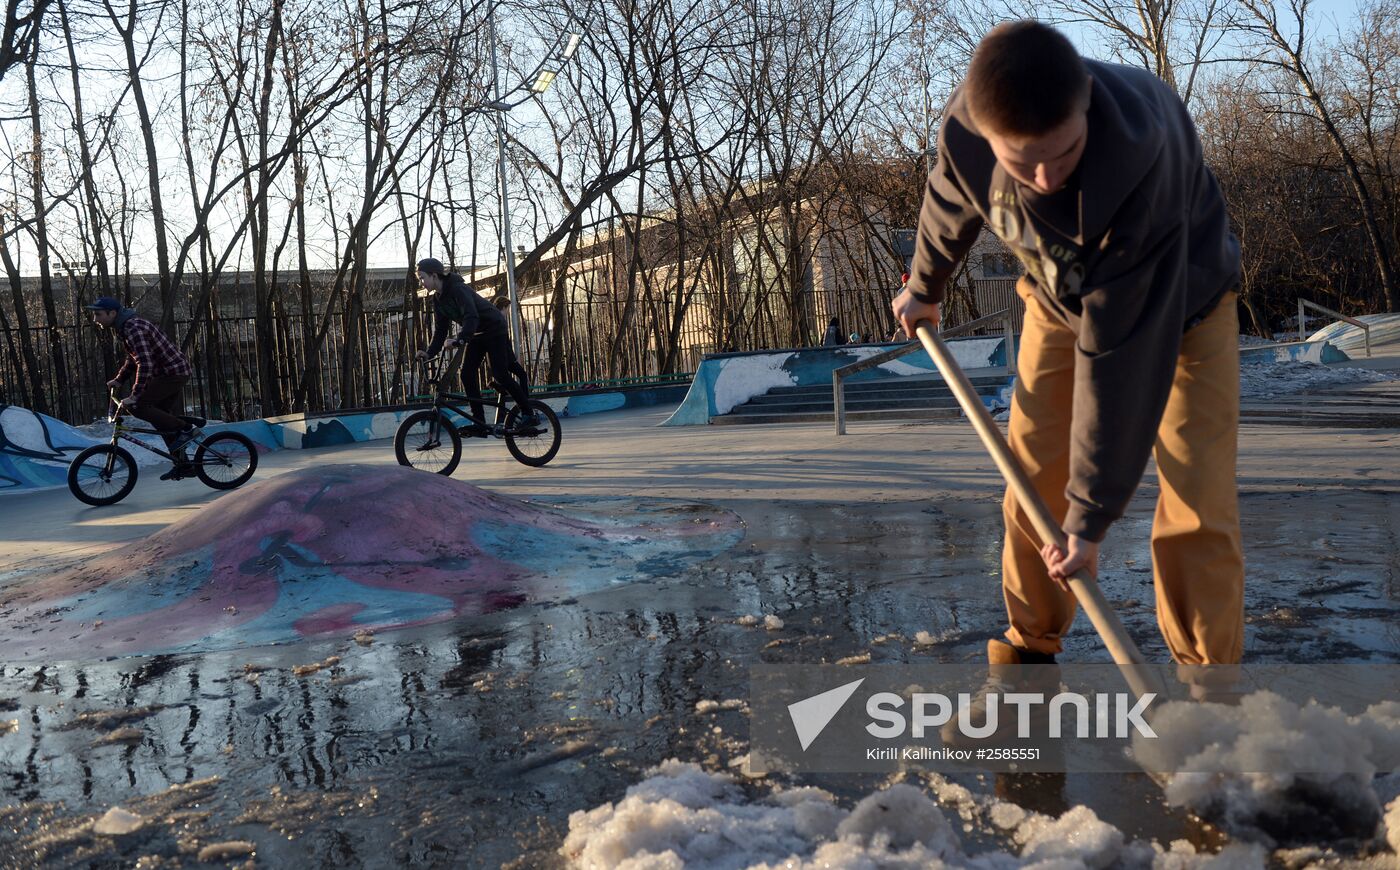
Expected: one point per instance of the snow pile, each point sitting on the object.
(1392, 825)
(1267, 380)
(684, 817)
(1270, 766)
(1078, 835)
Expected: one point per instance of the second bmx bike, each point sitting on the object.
(430, 440)
(106, 473)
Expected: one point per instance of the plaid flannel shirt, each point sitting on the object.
(152, 353)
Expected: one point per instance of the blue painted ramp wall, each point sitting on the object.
(725, 381)
(1301, 351)
(35, 449)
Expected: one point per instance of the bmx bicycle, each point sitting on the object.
(106, 473)
(429, 440)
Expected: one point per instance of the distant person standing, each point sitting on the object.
(161, 372)
(833, 335)
(502, 304)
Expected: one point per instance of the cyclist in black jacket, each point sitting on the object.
(484, 331)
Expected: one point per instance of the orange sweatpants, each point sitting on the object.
(1197, 554)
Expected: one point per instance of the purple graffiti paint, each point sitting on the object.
(332, 550)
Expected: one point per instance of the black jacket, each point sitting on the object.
(458, 303)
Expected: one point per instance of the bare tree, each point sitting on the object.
(1281, 39)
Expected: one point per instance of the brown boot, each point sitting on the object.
(1009, 669)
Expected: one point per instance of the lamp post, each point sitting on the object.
(540, 85)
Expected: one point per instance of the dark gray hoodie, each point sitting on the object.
(1136, 250)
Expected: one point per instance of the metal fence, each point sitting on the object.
(601, 342)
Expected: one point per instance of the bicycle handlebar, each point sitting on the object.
(117, 412)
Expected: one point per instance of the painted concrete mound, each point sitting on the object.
(324, 552)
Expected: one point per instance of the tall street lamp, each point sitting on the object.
(539, 86)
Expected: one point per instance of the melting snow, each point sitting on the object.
(684, 817)
(1266, 380)
(1341, 755)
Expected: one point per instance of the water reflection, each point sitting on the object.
(481, 735)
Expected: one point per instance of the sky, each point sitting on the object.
(1330, 16)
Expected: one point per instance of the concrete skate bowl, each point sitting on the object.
(325, 552)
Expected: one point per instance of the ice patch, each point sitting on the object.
(1266, 380)
(743, 378)
(118, 822)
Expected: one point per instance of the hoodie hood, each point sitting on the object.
(1127, 135)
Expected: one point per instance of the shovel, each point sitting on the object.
(1125, 653)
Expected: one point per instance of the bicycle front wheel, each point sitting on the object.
(537, 445)
(428, 441)
(102, 475)
(226, 460)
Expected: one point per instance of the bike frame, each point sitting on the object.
(122, 431)
(443, 400)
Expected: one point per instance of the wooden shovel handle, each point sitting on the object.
(1090, 597)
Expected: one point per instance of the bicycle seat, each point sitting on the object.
(196, 422)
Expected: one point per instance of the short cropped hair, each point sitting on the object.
(1025, 79)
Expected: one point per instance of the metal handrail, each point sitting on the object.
(1365, 327)
(838, 376)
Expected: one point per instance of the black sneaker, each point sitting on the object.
(175, 473)
(185, 437)
(474, 430)
(529, 425)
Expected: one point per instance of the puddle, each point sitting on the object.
(471, 740)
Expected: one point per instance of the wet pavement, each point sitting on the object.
(469, 742)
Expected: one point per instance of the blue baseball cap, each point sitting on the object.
(104, 303)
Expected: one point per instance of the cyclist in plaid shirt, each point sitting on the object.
(161, 373)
